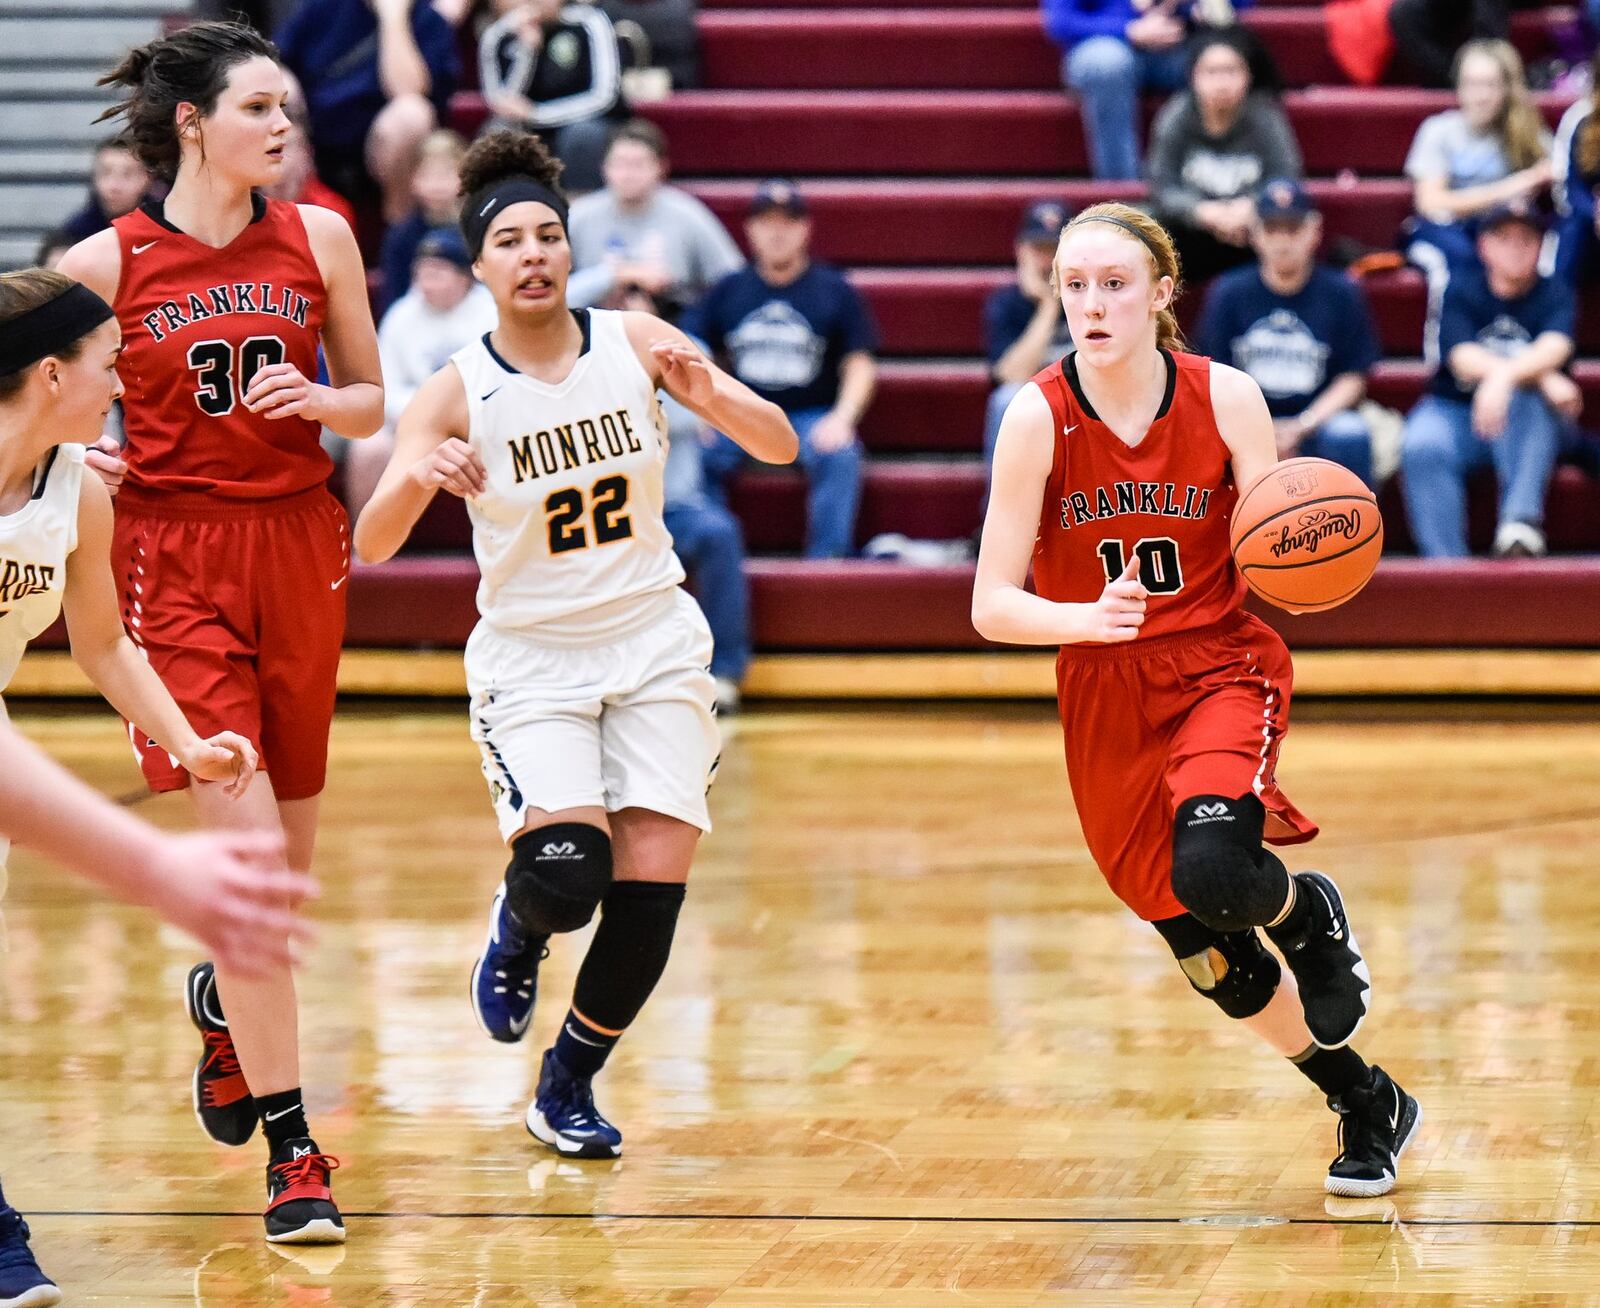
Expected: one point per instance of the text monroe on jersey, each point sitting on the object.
(573, 445)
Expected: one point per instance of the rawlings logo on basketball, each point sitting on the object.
(1313, 529)
(1298, 483)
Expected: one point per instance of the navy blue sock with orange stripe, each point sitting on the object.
(626, 958)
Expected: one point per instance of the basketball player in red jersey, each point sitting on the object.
(1115, 477)
(230, 550)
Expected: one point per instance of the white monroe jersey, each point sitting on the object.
(569, 532)
(34, 544)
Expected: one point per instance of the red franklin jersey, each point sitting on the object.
(197, 324)
(1168, 499)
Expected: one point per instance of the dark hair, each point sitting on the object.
(189, 67)
(1264, 74)
(23, 292)
(509, 153)
(641, 131)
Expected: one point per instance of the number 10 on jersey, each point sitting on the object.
(1160, 571)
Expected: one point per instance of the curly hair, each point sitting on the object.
(509, 153)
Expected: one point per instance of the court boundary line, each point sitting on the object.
(1213, 1221)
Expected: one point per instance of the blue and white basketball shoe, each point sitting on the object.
(505, 979)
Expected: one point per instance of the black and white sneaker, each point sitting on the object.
(1335, 983)
(1377, 1122)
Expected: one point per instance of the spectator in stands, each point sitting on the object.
(639, 234)
(1113, 51)
(1429, 33)
(435, 202)
(117, 184)
(1211, 149)
(710, 543)
(298, 183)
(556, 69)
(1577, 167)
(1301, 330)
(1499, 397)
(445, 309)
(51, 247)
(669, 29)
(376, 76)
(1024, 328)
(798, 334)
(1491, 151)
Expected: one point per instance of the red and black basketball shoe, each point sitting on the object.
(222, 1101)
(300, 1207)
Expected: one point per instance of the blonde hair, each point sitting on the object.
(444, 145)
(1157, 242)
(1518, 124)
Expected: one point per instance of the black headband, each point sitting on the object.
(483, 204)
(51, 327)
(1125, 225)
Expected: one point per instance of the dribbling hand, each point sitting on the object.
(225, 757)
(455, 467)
(233, 892)
(1119, 612)
(684, 371)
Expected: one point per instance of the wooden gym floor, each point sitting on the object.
(909, 1050)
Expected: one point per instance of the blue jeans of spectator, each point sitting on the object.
(832, 498)
(708, 540)
(1440, 449)
(1344, 439)
(1108, 74)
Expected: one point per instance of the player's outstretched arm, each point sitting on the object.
(430, 454)
(677, 364)
(102, 649)
(1245, 423)
(232, 892)
(1002, 607)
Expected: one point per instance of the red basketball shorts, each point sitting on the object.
(240, 608)
(1155, 722)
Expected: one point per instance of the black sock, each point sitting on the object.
(625, 960)
(1332, 1071)
(283, 1117)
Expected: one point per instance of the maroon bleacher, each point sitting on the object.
(919, 129)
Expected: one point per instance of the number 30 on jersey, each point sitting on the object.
(1160, 571)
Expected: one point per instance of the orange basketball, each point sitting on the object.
(1307, 535)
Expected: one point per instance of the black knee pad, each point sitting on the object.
(1220, 872)
(1231, 969)
(558, 876)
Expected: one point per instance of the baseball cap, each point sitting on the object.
(1514, 211)
(1284, 197)
(444, 243)
(778, 193)
(1042, 221)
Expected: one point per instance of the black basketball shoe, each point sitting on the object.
(1377, 1121)
(1335, 985)
(300, 1207)
(222, 1100)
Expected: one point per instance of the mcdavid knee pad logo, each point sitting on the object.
(1206, 813)
(564, 850)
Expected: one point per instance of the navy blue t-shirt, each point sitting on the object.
(1291, 345)
(1006, 315)
(1472, 312)
(332, 47)
(785, 342)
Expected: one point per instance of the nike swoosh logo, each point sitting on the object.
(1338, 927)
(593, 1044)
(340, 582)
(519, 1027)
(495, 391)
(273, 1117)
(1067, 431)
(1394, 1117)
(140, 249)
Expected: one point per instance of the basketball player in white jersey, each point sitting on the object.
(592, 698)
(59, 344)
